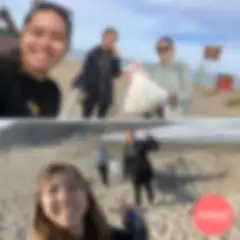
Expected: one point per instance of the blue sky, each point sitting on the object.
(191, 23)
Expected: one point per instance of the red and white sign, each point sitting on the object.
(213, 215)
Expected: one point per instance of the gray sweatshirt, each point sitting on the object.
(175, 78)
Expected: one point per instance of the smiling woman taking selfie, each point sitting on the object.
(66, 209)
(25, 88)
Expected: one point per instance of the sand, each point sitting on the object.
(183, 176)
(68, 70)
(206, 101)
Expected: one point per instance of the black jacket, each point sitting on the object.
(21, 95)
(135, 225)
(136, 158)
(118, 234)
(99, 70)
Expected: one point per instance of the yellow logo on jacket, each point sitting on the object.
(34, 108)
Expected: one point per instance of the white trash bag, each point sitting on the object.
(115, 170)
(68, 105)
(143, 94)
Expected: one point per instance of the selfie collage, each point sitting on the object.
(119, 120)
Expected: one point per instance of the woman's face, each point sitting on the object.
(129, 136)
(44, 41)
(165, 51)
(64, 201)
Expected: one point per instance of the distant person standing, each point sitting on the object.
(140, 168)
(101, 161)
(96, 81)
(174, 76)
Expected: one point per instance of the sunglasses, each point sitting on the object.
(163, 49)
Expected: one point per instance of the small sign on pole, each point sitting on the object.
(212, 53)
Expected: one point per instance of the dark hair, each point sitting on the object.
(58, 9)
(110, 30)
(167, 39)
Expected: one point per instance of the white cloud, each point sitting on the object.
(217, 12)
(213, 5)
(174, 24)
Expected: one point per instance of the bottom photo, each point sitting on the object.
(92, 185)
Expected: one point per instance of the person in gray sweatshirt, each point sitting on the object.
(174, 76)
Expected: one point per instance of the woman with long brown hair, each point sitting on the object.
(66, 209)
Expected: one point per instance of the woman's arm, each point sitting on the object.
(82, 80)
(152, 144)
(51, 100)
(11, 102)
(186, 84)
(116, 67)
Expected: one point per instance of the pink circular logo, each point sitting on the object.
(213, 215)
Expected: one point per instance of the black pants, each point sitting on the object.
(127, 171)
(91, 103)
(103, 173)
(138, 187)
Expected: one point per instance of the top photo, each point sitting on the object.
(138, 59)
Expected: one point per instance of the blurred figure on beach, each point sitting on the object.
(65, 208)
(174, 76)
(26, 90)
(133, 219)
(137, 166)
(96, 81)
(101, 160)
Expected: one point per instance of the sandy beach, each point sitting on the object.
(206, 102)
(182, 176)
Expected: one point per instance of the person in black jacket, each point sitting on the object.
(26, 90)
(137, 164)
(96, 81)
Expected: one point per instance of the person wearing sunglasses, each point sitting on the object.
(175, 77)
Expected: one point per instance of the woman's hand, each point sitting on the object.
(173, 98)
(132, 67)
(116, 51)
(127, 75)
(136, 65)
(82, 96)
